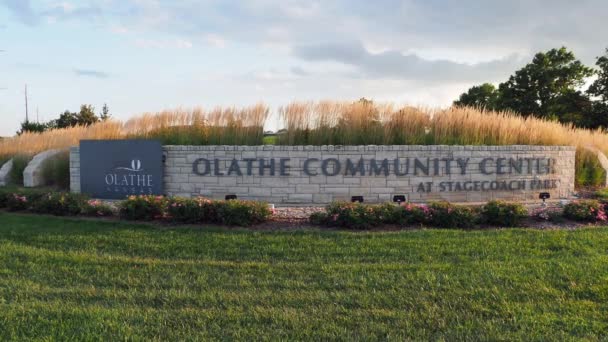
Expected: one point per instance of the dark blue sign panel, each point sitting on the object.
(115, 169)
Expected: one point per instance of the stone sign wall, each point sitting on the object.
(320, 174)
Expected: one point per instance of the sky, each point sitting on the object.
(147, 55)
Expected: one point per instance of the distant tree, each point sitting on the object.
(544, 87)
(599, 91)
(32, 127)
(599, 88)
(86, 116)
(105, 113)
(66, 119)
(481, 96)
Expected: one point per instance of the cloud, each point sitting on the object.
(164, 44)
(393, 64)
(91, 73)
(298, 71)
(215, 40)
(22, 9)
(66, 11)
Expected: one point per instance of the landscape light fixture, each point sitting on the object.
(544, 196)
(230, 197)
(399, 198)
(357, 199)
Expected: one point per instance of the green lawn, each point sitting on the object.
(75, 279)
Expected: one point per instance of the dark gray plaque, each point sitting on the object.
(115, 169)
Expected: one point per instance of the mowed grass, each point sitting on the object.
(87, 280)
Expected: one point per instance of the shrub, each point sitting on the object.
(413, 214)
(586, 211)
(19, 199)
(242, 213)
(4, 198)
(387, 213)
(352, 215)
(196, 210)
(447, 215)
(146, 207)
(202, 210)
(59, 204)
(97, 208)
(503, 214)
(319, 218)
(362, 216)
(601, 194)
(589, 172)
(56, 170)
(20, 162)
(17, 202)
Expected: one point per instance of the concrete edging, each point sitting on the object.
(5, 171)
(32, 175)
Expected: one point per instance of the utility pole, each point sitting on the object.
(27, 116)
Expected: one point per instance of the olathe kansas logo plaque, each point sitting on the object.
(115, 169)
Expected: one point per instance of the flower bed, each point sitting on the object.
(337, 214)
(447, 215)
(140, 208)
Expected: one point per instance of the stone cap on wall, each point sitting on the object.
(367, 148)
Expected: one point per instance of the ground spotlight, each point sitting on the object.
(230, 197)
(544, 196)
(357, 199)
(399, 198)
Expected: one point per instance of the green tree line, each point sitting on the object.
(550, 87)
(85, 117)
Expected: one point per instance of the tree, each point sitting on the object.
(481, 96)
(28, 126)
(86, 116)
(105, 113)
(599, 90)
(66, 119)
(543, 87)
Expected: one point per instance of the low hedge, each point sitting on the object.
(141, 208)
(503, 214)
(59, 204)
(231, 213)
(586, 211)
(434, 214)
(196, 210)
(363, 216)
(336, 214)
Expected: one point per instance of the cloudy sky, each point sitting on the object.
(147, 55)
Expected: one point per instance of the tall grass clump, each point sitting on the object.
(33, 143)
(56, 171)
(470, 126)
(220, 126)
(20, 162)
(358, 123)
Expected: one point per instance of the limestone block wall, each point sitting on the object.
(5, 171)
(32, 175)
(320, 174)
